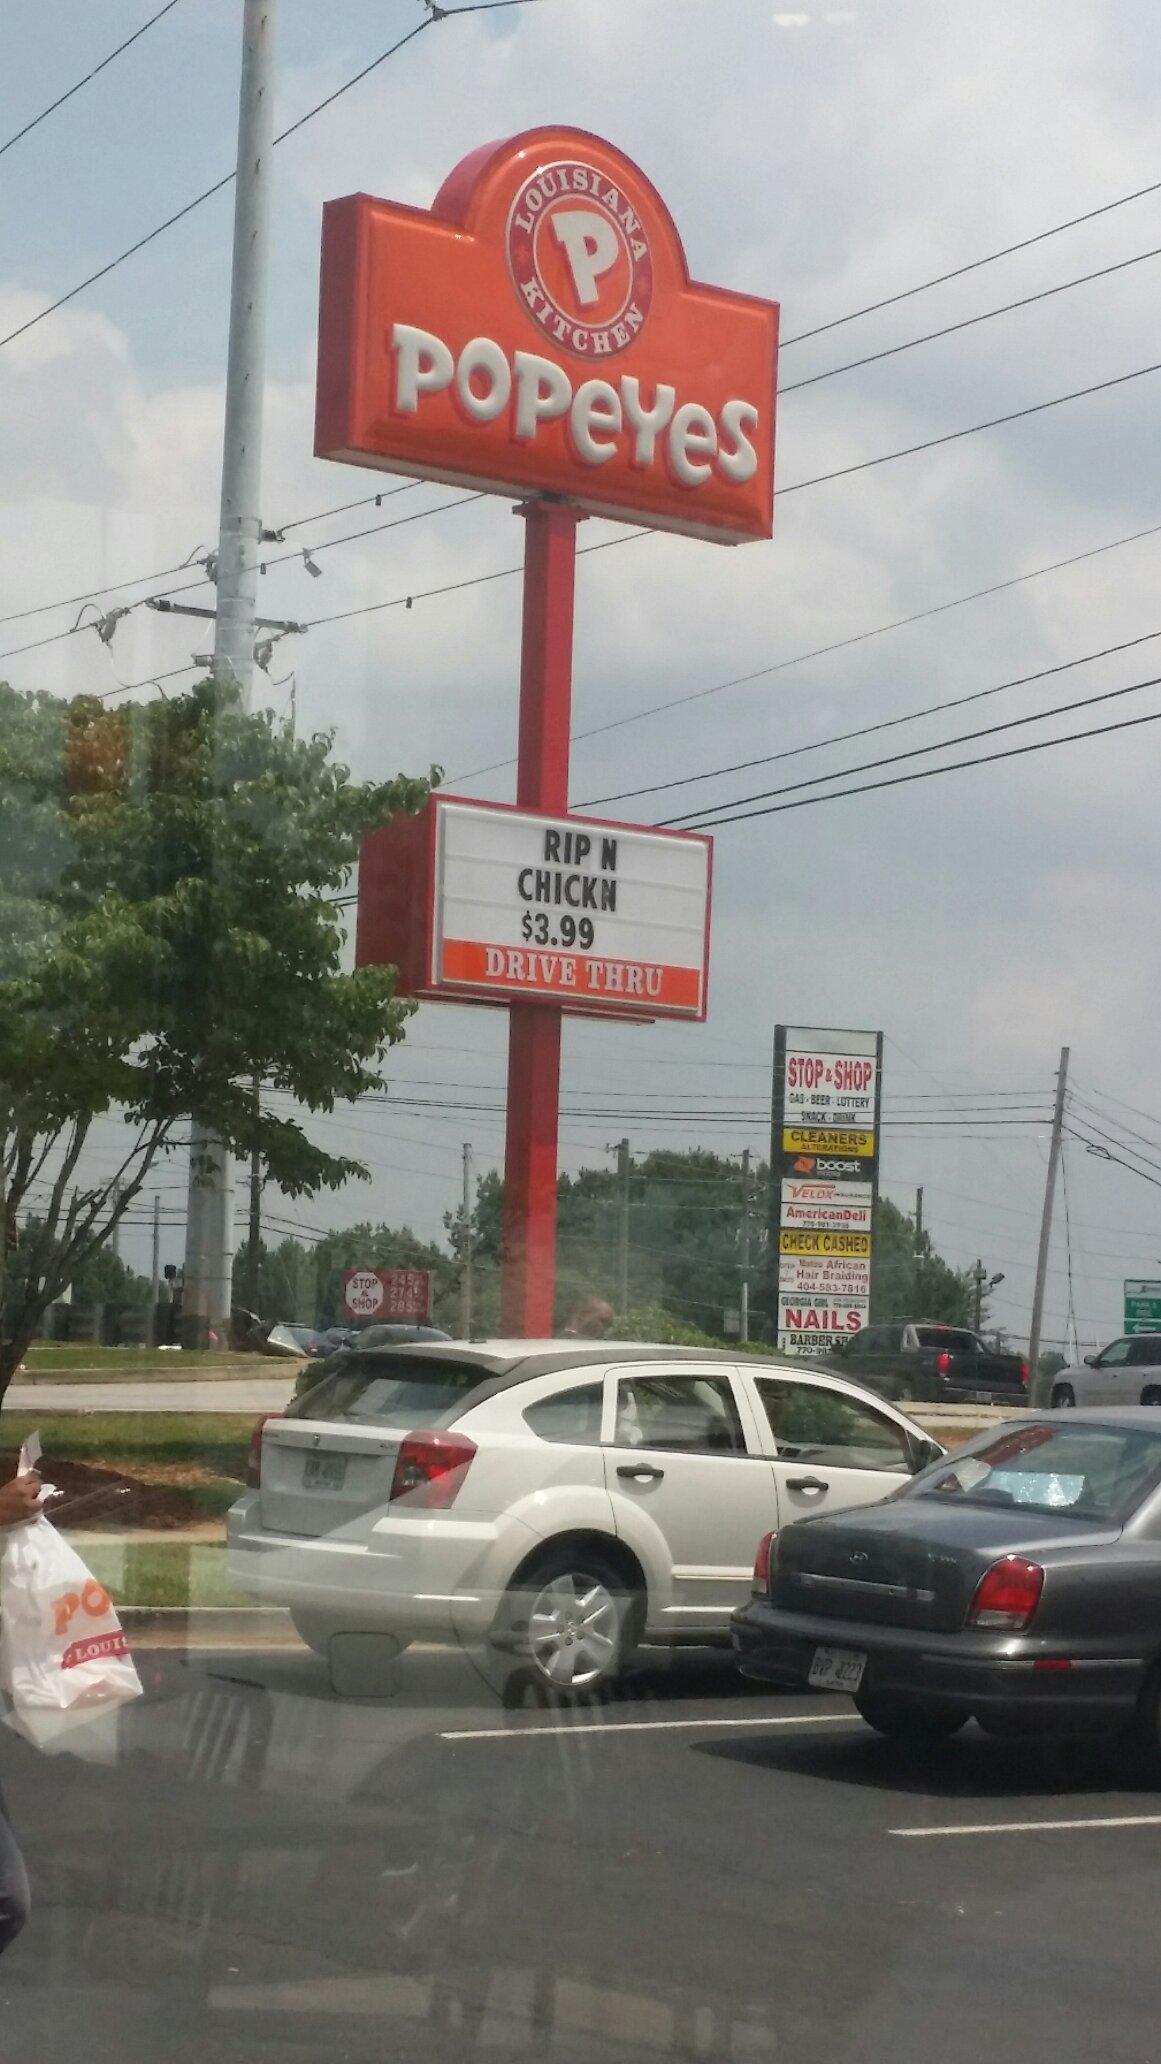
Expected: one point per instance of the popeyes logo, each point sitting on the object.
(580, 259)
(538, 332)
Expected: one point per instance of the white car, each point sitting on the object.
(562, 1500)
(1127, 1372)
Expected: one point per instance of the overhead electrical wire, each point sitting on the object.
(1102, 1153)
(865, 730)
(1059, 709)
(966, 322)
(89, 76)
(973, 265)
(818, 651)
(160, 228)
(1011, 752)
(908, 451)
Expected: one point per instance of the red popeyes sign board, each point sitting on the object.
(388, 1293)
(480, 902)
(538, 332)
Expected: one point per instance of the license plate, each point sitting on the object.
(837, 1669)
(324, 1472)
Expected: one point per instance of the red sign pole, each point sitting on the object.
(528, 1282)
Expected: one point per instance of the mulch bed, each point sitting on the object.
(156, 1504)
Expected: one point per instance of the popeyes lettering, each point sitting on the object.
(538, 332)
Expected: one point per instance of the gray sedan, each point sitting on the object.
(1017, 1581)
(1127, 1372)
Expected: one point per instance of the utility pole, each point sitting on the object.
(209, 1249)
(624, 1171)
(115, 1234)
(466, 1251)
(744, 1301)
(255, 1229)
(918, 1251)
(154, 1273)
(979, 1278)
(1046, 1224)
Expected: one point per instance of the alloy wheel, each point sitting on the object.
(574, 1631)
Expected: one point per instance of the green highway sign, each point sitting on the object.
(1142, 1306)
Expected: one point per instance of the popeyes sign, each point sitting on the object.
(538, 332)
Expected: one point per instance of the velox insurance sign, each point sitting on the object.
(600, 916)
(817, 1203)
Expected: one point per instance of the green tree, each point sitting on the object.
(168, 931)
(909, 1280)
(685, 1237)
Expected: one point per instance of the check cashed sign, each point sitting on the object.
(400, 1294)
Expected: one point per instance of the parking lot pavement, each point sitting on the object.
(264, 1873)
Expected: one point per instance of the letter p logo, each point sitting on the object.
(591, 247)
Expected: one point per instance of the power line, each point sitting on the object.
(88, 78)
(865, 730)
(1011, 752)
(1059, 709)
(478, 580)
(968, 322)
(823, 651)
(1107, 1098)
(187, 587)
(941, 278)
(1103, 1154)
(908, 451)
(227, 179)
(163, 572)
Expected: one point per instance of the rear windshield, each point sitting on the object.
(388, 1388)
(1090, 1472)
(947, 1337)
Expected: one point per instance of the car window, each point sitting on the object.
(572, 1415)
(953, 1339)
(1090, 1472)
(1145, 1351)
(811, 1423)
(696, 1413)
(1114, 1356)
(388, 1388)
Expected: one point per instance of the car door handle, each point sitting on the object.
(640, 1472)
(806, 1483)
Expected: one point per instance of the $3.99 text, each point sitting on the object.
(570, 931)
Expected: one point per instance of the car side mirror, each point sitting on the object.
(1090, 1361)
(926, 1452)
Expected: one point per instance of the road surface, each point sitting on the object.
(259, 1872)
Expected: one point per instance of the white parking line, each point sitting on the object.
(1027, 1827)
(598, 1726)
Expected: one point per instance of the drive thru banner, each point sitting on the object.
(824, 1167)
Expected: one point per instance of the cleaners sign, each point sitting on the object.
(824, 1163)
(600, 917)
(538, 331)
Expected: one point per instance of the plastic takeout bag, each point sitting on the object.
(64, 1658)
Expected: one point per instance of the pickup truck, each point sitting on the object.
(932, 1363)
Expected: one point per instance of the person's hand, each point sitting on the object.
(19, 1500)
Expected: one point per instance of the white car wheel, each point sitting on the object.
(1063, 1396)
(570, 1618)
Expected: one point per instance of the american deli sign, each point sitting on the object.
(390, 1293)
(538, 331)
(816, 1203)
(479, 901)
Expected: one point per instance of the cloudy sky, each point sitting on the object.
(826, 157)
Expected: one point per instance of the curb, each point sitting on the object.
(208, 1626)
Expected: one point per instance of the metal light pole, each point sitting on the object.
(209, 1251)
(744, 1301)
(1046, 1226)
(466, 1253)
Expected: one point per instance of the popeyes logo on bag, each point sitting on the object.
(93, 1601)
(538, 331)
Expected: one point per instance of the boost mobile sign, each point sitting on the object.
(538, 331)
(824, 1180)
